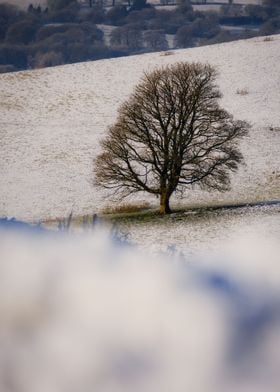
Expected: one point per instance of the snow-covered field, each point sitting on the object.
(84, 312)
(53, 119)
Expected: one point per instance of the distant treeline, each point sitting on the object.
(67, 32)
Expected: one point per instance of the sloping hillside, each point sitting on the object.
(52, 121)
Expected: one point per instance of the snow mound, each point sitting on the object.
(81, 313)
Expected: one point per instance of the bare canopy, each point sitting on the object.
(171, 134)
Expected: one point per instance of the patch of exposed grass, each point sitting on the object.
(126, 208)
(274, 129)
(242, 91)
(268, 39)
(186, 213)
(152, 215)
(167, 53)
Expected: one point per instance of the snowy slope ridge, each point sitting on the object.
(53, 119)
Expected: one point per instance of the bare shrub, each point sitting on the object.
(49, 59)
(7, 68)
(155, 40)
(129, 36)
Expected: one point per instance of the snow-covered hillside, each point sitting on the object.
(53, 119)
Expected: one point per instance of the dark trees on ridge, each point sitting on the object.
(171, 134)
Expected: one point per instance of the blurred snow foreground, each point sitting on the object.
(85, 313)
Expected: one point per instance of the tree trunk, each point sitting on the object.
(164, 204)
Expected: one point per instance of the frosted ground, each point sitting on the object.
(53, 119)
(210, 232)
(83, 313)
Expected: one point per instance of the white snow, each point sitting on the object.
(211, 232)
(53, 119)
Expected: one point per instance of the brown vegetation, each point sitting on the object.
(126, 208)
(242, 91)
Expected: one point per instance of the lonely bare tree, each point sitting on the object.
(171, 134)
